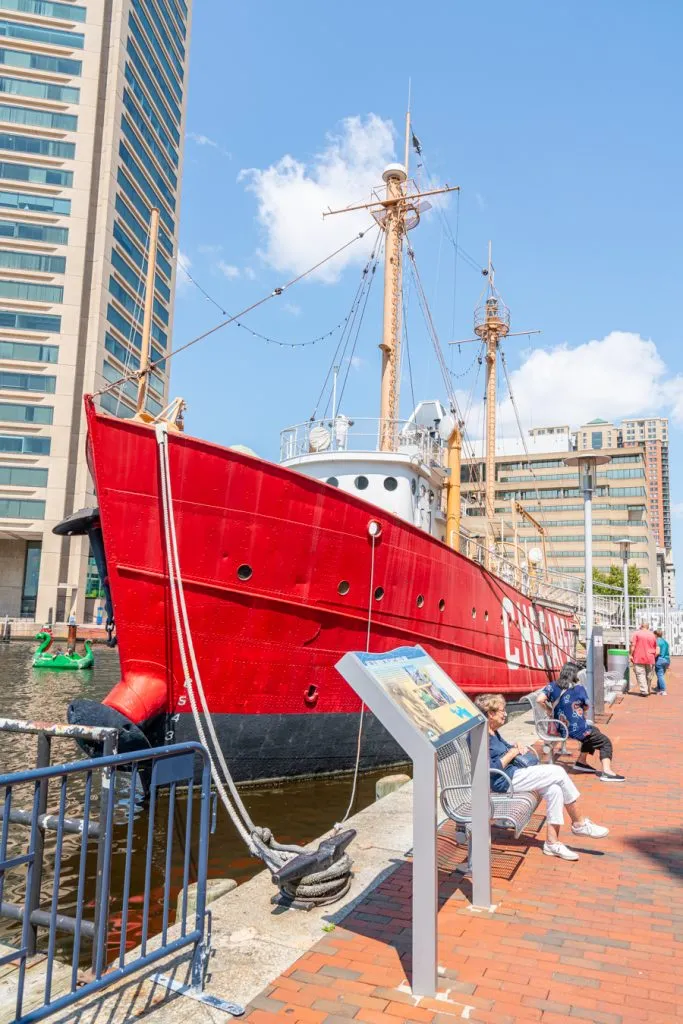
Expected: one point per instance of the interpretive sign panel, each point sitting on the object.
(424, 709)
(423, 692)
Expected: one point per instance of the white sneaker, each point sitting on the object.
(589, 829)
(559, 850)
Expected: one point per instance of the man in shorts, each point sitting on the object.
(643, 654)
(567, 700)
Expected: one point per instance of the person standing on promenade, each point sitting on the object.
(643, 653)
(662, 661)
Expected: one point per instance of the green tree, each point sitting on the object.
(613, 580)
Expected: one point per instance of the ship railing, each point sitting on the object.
(344, 434)
(69, 809)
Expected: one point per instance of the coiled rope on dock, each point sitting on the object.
(315, 888)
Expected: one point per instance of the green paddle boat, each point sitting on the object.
(60, 659)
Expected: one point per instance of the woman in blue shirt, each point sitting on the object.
(662, 661)
(550, 780)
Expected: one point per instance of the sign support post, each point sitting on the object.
(423, 710)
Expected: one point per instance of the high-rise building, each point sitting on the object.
(549, 490)
(597, 434)
(92, 116)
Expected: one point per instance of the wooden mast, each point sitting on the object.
(491, 323)
(149, 306)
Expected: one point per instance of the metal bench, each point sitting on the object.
(512, 809)
(551, 731)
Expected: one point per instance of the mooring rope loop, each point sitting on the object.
(324, 886)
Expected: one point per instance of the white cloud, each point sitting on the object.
(621, 375)
(209, 249)
(250, 273)
(228, 270)
(206, 140)
(357, 363)
(184, 264)
(677, 510)
(292, 308)
(292, 195)
(480, 201)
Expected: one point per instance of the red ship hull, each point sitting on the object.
(277, 575)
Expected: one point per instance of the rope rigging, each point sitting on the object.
(333, 878)
(275, 293)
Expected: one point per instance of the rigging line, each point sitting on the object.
(524, 444)
(459, 251)
(350, 320)
(407, 348)
(360, 324)
(224, 323)
(354, 325)
(257, 334)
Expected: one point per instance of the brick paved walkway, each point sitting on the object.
(597, 940)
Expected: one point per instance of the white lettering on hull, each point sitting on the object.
(534, 637)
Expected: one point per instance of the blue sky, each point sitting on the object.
(561, 124)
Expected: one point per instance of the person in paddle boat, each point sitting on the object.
(524, 775)
(567, 700)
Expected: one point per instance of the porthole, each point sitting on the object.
(442, 605)
(379, 593)
(343, 587)
(486, 616)
(332, 481)
(420, 600)
(413, 485)
(474, 613)
(390, 483)
(361, 482)
(245, 572)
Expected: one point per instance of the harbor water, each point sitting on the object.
(297, 812)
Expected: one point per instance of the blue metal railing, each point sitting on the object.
(164, 767)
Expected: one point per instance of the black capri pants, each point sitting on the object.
(596, 741)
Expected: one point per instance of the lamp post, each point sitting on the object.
(624, 544)
(587, 462)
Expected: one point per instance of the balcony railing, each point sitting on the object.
(343, 434)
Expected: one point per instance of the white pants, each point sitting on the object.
(554, 785)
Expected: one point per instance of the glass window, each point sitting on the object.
(172, 73)
(129, 388)
(136, 282)
(124, 355)
(40, 34)
(154, 67)
(48, 8)
(27, 382)
(140, 233)
(39, 90)
(596, 439)
(166, 40)
(39, 62)
(24, 445)
(163, 190)
(22, 476)
(115, 406)
(134, 307)
(32, 261)
(137, 257)
(12, 413)
(31, 292)
(38, 118)
(28, 352)
(144, 208)
(168, 111)
(21, 508)
(33, 232)
(40, 204)
(41, 147)
(36, 175)
(93, 584)
(30, 321)
(149, 111)
(142, 126)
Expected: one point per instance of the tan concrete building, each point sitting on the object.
(92, 121)
(549, 491)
